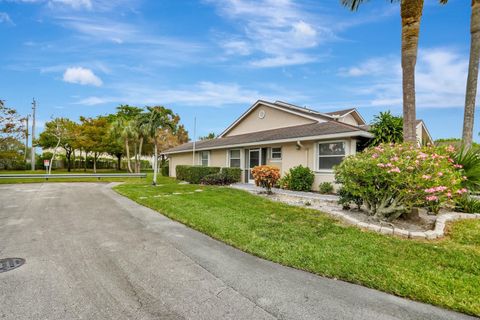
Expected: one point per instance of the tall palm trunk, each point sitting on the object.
(127, 150)
(155, 165)
(411, 13)
(471, 94)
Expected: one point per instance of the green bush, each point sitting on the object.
(232, 175)
(346, 199)
(225, 177)
(299, 178)
(392, 179)
(165, 170)
(467, 204)
(325, 187)
(469, 162)
(194, 174)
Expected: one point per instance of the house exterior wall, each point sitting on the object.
(179, 159)
(273, 119)
(349, 119)
(292, 156)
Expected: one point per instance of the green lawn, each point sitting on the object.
(77, 171)
(444, 272)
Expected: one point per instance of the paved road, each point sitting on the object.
(92, 254)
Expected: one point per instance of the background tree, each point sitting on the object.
(60, 132)
(12, 129)
(386, 128)
(123, 127)
(209, 136)
(94, 136)
(411, 14)
(160, 121)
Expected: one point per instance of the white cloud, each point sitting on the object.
(5, 18)
(204, 93)
(279, 30)
(75, 4)
(440, 79)
(81, 76)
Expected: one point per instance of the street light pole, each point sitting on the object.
(26, 136)
(34, 106)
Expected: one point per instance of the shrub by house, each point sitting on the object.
(392, 179)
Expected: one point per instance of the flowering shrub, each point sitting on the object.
(391, 179)
(266, 176)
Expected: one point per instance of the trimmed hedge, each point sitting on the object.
(232, 174)
(225, 177)
(194, 174)
(217, 175)
(164, 170)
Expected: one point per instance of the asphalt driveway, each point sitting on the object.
(92, 254)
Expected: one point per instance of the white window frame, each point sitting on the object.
(272, 159)
(230, 158)
(200, 159)
(346, 146)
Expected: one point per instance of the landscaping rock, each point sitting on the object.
(401, 233)
(417, 235)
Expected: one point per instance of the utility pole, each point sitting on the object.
(34, 106)
(26, 136)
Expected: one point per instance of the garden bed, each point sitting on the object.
(424, 226)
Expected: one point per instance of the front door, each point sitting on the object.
(254, 159)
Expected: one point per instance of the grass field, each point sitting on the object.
(443, 272)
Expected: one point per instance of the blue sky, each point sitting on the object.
(214, 58)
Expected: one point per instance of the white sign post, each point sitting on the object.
(46, 164)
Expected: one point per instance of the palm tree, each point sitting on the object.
(122, 127)
(472, 79)
(411, 14)
(160, 119)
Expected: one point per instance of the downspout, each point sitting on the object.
(301, 146)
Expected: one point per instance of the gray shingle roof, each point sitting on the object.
(294, 132)
(339, 112)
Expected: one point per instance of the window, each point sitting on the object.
(204, 158)
(234, 156)
(276, 154)
(330, 154)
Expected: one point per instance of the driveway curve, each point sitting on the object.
(93, 254)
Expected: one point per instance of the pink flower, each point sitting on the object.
(440, 174)
(449, 194)
(396, 169)
(430, 190)
(458, 166)
(450, 148)
(393, 159)
(431, 198)
(441, 188)
(422, 156)
(462, 191)
(426, 177)
(464, 178)
(375, 155)
(381, 165)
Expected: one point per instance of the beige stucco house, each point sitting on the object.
(282, 135)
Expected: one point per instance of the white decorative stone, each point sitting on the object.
(401, 232)
(374, 227)
(417, 235)
(386, 230)
(430, 235)
(363, 225)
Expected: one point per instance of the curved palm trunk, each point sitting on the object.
(471, 94)
(127, 150)
(411, 12)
